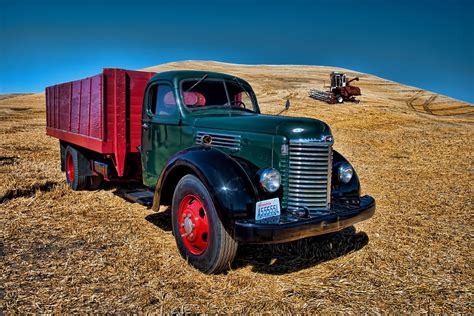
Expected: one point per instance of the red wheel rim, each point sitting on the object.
(69, 168)
(193, 224)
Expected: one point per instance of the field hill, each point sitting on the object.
(68, 251)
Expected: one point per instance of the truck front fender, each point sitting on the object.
(231, 190)
(340, 190)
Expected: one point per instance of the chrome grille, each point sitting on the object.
(309, 175)
(219, 140)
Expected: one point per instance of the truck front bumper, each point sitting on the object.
(287, 227)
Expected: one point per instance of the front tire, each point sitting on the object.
(200, 236)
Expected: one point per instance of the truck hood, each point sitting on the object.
(291, 127)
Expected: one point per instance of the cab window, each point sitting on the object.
(239, 97)
(162, 100)
(206, 93)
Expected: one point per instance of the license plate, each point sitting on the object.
(267, 208)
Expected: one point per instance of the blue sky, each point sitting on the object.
(428, 44)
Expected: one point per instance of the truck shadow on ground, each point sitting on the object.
(161, 219)
(301, 254)
(287, 257)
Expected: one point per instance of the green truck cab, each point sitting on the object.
(230, 174)
(233, 175)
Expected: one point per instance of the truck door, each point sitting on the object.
(161, 131)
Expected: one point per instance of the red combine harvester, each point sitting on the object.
(341, 90)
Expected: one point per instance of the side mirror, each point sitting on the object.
(287, 106)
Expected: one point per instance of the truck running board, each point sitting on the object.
(143, 197)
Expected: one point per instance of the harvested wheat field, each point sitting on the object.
(65, 251)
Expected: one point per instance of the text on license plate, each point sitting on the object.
(267, 208)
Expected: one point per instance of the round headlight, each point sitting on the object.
(345, 172)
(270, 180)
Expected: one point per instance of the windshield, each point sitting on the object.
(204, 93)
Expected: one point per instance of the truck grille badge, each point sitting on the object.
(206, 140)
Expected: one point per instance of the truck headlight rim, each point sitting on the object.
(270, 180)
(345, 172)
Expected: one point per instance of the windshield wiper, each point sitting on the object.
(198, 82)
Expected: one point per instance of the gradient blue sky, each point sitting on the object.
(428, 44)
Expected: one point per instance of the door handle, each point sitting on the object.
(145, 126)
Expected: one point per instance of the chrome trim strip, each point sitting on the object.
(308, 163)
(202, 133)
(307, 182)
(311, 157)
(307, 148)
(302, 174)
(304, 195)
(301, 188)
(307, 167)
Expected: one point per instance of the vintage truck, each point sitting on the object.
(198, 142)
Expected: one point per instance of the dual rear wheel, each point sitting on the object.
(75, 174)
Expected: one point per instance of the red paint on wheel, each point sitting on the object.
(69, 168)
(193, 224)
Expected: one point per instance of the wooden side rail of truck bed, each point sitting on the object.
(101, 113)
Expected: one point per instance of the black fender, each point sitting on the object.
(340, 190)
(230, 187)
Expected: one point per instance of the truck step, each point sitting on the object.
(143, 197)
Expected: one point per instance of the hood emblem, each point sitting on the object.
(206, 140)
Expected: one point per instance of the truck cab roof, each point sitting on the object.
(177, 75)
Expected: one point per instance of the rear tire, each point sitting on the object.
(74, 179)
(200, 236)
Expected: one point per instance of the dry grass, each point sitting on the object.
(93, 251)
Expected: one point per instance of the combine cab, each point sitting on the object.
(341, 90)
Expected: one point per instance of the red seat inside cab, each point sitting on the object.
(194, 99)
(169, 100)
(191, 99)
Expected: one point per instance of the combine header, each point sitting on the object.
(340, 90)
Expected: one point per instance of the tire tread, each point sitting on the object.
(227, 253)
